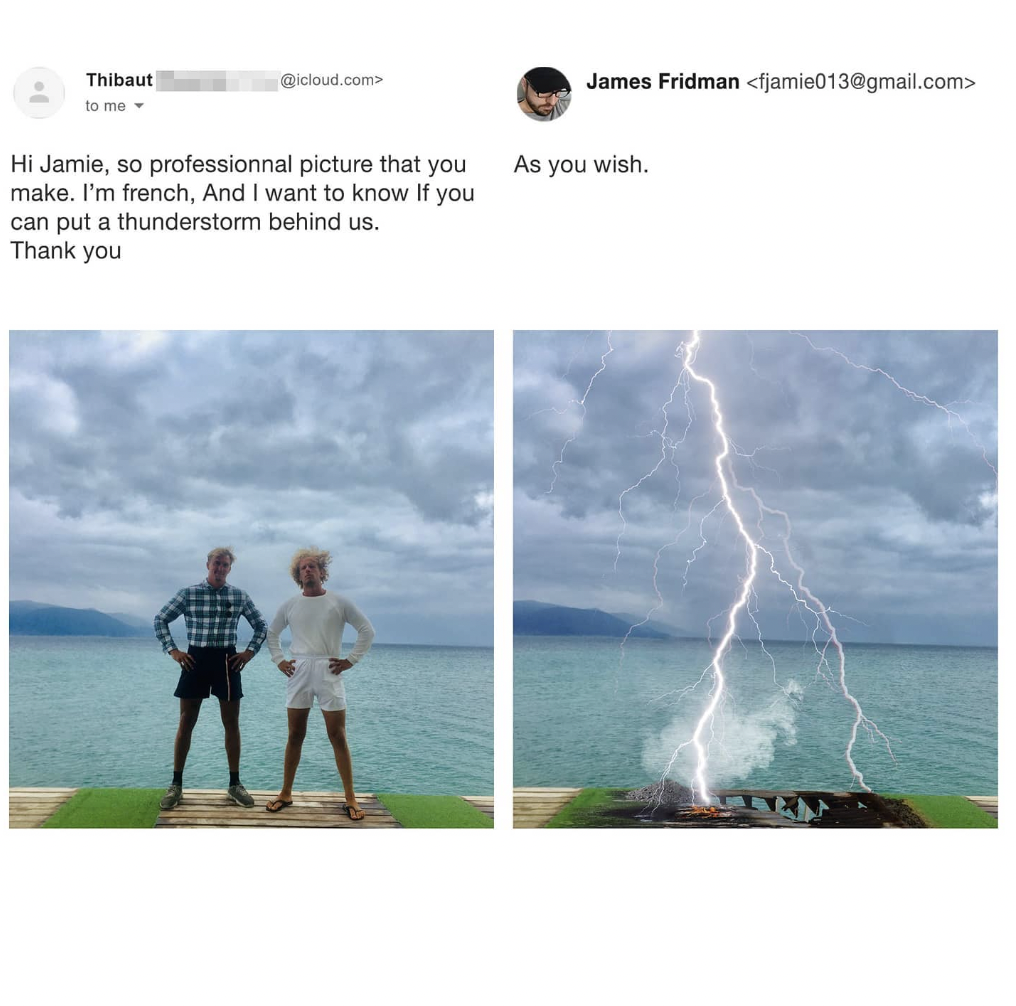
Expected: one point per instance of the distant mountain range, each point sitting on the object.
(140, 623)
(532, 618)
(30, 618)
(535, 618)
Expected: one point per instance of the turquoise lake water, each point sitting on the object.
(582, 718)
(88, 711)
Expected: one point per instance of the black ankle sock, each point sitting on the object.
(234, 778)
(178, 778)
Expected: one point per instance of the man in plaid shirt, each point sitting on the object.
(211, 665)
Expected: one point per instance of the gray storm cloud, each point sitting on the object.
(893, 504)
(133, 453)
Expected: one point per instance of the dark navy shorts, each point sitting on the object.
(210, 675)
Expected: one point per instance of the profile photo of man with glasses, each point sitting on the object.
(544, 94)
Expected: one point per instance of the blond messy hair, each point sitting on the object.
(225, 551)
(321, 558)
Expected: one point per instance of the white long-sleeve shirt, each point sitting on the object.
(316, 624)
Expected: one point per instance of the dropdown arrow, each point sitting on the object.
(139, 103)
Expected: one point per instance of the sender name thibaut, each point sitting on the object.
(97, 79)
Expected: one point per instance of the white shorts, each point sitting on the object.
(312, 677)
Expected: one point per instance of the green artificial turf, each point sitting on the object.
(108, 808)
(947, 811)
(582, 811)
(434, 811)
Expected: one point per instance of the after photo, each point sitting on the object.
(756, 579)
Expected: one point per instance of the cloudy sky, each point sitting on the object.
(893, 503)
(133, 454)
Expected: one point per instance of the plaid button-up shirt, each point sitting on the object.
(211, 616)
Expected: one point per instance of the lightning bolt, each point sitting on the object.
(668, 447)
(912, 395)
(701, 785)
(802, 595)
(581, 403)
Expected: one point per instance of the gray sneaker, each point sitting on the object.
(173, 796)
(240, 796)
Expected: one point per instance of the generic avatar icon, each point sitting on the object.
(39, 93)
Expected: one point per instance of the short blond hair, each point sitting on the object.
(321, 558)
(224, 551)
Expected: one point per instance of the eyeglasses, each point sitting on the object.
(563, 92)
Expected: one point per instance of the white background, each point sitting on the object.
(797, 210)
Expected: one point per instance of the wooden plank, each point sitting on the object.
(41, 789)
(29, 804)
(989, 804)
(533, 807)
(545, 790)
(29, 808)
(35, 808)
(541, 801)
(31, 801)
(484, 804)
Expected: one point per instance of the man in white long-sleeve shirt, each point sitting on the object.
(316, 619)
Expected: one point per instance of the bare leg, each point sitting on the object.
(189, 710)
(230, 712)
(335, 723)
(294, 748)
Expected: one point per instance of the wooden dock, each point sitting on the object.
(989, 804)
(533, 807)
(28, 808)
(484, 804)
(210, 808)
